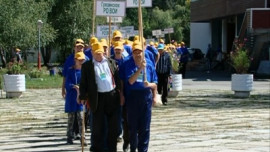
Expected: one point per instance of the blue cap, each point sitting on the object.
(160, 47)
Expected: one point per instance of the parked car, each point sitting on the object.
(195, 53)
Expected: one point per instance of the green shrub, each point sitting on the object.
(35, 73)
(240, 57)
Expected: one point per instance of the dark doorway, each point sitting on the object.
(230, 36)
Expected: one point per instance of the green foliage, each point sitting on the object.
(19, 23)
(35, 73)
(65, 21)
(174, 61)
(72, 20)
(16, 68)
(2, 72)
(240, 58)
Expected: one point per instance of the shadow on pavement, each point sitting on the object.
(221, 101)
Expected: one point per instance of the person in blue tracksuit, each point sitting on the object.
(69, 63)
(154, 51)
(117, 36)
(72, 107)
(184, 56)
(140, 95)
(147, 53)
(78, 47)
(120, 59)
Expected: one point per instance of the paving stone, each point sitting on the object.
(197, 120)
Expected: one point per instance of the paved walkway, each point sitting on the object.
(205, 117)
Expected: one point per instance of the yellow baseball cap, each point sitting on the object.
(18, 50)
(137, 45)
(79, 56)
(161, 41)
(104, 42)
(118, 45)
(93, 40)
(117, 33)
(97, 48)
(136, 37)
(79, 42)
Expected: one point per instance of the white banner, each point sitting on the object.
(169, 30)
(156, 32)
(110, 8)
(164, 32)
(135, 32)
(115, 19)
(103, 30)
(128, 29)
(135, 3)
(124, 34)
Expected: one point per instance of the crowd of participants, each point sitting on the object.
(117, 84)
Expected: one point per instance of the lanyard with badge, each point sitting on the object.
(102, 74)
(140, 77)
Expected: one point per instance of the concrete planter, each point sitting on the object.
(14, 85)
(242, 84)
(176, 85)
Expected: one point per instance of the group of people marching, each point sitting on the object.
(119, 84)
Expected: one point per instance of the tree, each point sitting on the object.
(163, 14)
(18, 26)
(71, 19)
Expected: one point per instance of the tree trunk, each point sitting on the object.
(25, 56)
(3, 59)
(46, 55)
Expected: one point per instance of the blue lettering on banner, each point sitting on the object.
(135, 2)
(109, 10)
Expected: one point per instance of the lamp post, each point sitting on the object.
(39, 23)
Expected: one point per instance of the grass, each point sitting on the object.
(44, 82)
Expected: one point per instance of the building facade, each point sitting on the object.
(229, 19)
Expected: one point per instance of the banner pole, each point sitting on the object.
(141, 34)
(110, 29)
(94, 17)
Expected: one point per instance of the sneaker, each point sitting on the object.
(91, 148)
(164, 101)
(77, 137)
(69, 141)
(119, 139)
(125, 147)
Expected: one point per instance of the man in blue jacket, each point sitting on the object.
(184, 56)
(139, 97)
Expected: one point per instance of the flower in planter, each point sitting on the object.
(16, 68)
(240, 57)
(175, 61)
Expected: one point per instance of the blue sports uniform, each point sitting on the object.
(139, 104)
(73, 77)
(127, 51)
(153, 50)
(69, 63)
(88, 53)
(184, 54)
(149, 55)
